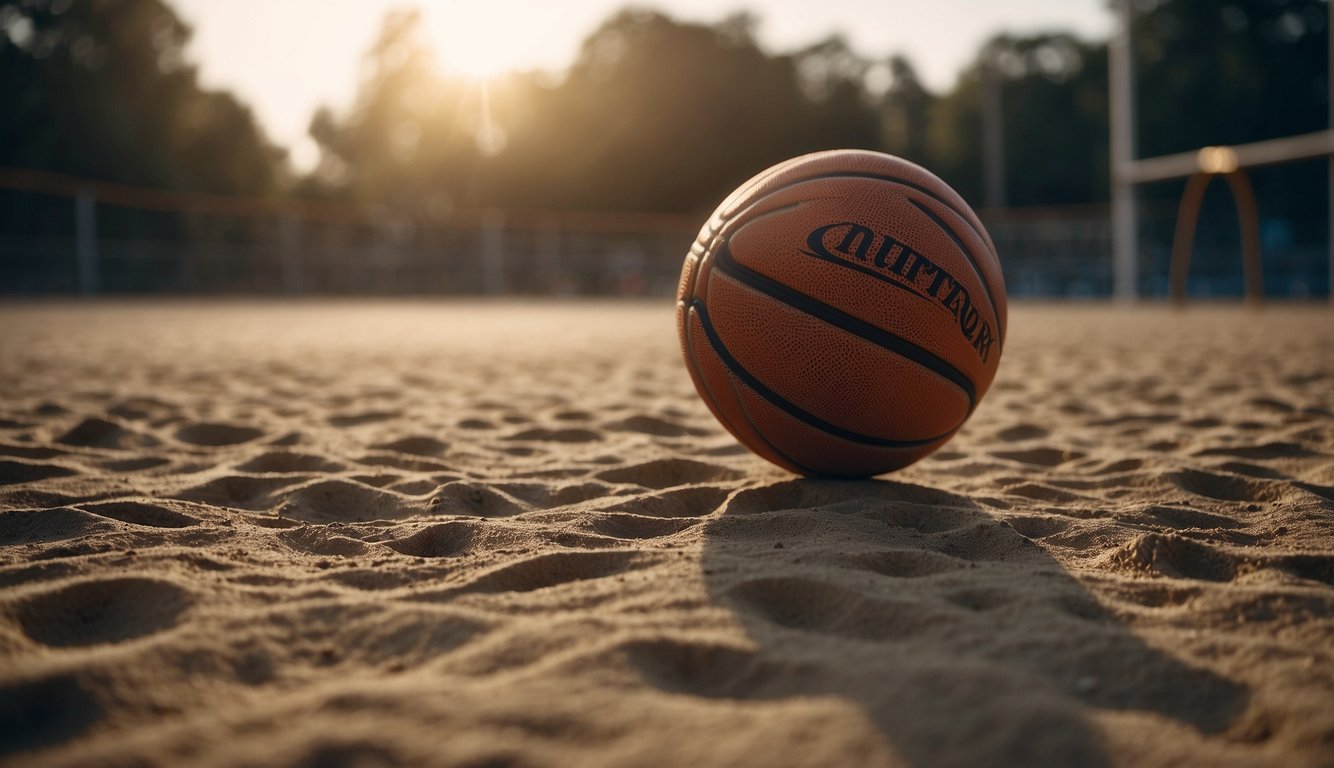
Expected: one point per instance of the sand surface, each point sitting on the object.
(359, 534)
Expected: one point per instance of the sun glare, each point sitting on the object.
(476, 40)
(477, 58)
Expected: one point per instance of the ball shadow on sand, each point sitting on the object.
(964, 642)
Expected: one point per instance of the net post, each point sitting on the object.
(1188, 217)
(85, 240)
(289, 235)
(548, 252)
(993, 141)
(493, 252)
(1125, 265)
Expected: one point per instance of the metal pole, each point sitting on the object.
(85, 240)
(289, 252)
(548, 252)
(1188, 217)
(1125, 257)
(1248, 217)
(493, 253)
(993, 135)
(1329, 25)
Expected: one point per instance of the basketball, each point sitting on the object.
(842, 313)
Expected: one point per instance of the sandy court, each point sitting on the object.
(364, 534)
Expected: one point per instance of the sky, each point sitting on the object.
(288, 57)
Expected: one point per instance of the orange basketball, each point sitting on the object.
(842, 313)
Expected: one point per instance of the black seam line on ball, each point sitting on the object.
(694, 363)
(837, 317)
(967, 254)
(791, 409)
(865, 175)
(1000, 330)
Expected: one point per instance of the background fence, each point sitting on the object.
(60, 235)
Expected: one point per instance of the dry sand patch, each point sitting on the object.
(360, 533)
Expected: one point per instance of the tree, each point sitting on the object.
(906, 111)
(659, 114)
(1210, 73)
(101, 88)
(1228, 73)
(655, 114)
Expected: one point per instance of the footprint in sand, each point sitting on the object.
(15, 472)
(143, 513)
(708, 670)
(667, 473)
(31, 451)
(37, 526)
(322, 540)
(101, 433)
(680, 502)
(550, 495)
(102, 611)
(451, 539)
(1275, 450)
(541, 434)
(1042, 457)
(1042, 492)
(651, 425)
(240, 491)
(555, 569)
(417, 445)
(46, 711)
(382, 480)
(467, 497)
(418, 487)
(1021, 432)
(344, 500)
(573, 415)
(1252, 470)
(140, 408)
(620, 525)
(286, 461)
(1038, 526)
(216, 435)
(729, 448)
(521, 451)
(897, 503)
(364, 417)
(1185, 517)
(404, 462)
(1117, 467)
(1168, 554)
(980, 598)
(1221, 487)
(907, 563)
(136, 464)
(811, 605)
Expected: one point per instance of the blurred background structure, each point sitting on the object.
(122, 172)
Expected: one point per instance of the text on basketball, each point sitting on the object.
(854, 243)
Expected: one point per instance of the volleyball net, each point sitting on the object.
(1262, 250)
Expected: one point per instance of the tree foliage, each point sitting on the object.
(102, 88)
(655, 113)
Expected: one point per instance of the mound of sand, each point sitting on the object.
(490, 534)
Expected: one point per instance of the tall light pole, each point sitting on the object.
(993, 136)
(1125, 257)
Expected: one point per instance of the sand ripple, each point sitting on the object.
(367, 534)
